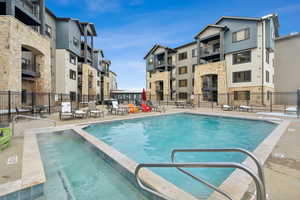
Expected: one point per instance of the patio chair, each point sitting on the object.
(227, 108)
(146, 108)
(245, 108)
(291, 109)
(156, 108)
(94, 112)
(116, 108)
(133, 108)
(80, 114)
(5, 138)
(66, 110)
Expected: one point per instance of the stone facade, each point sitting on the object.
(90, 80)
(159, 76)
(13, 36)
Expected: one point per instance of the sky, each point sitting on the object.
(128, 29)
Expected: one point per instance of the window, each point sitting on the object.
(72, 59)
(193, 82)
(183, 95)
(241, 57)
(182, 70)
(73, 96)
(194, 67)
(72, 74)
(216, 47)
(182, 56)
(244, 76)
(149, 85)
(241, 35)
(98, 83)
(48, 31)
(183, 83)
(267, 76)
(267, 56)
(194, 53)
(150, 60)
(242, 95)
(269, 95)
(75, 42)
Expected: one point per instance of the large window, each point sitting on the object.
(194, 53)
(241, 35)
(242, 95)
(72, 59)
(267, 76)
(182, 56)
(182, 95)
(244, 76)
(183, 83)
(241, 57)
(72, 74)
(182, 70)
(194, 67)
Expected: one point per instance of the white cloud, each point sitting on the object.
(102, 5)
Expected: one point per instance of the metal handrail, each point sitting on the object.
(238, 150)
(28, 117)
(259, 187)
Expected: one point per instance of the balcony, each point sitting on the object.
(27, 11)
(30, 70)
(209, 52)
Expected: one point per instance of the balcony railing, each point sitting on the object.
(30, 7)
(210, 51)
(30, 69)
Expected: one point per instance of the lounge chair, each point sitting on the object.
(146, 108)
(133, 109)
(94, 112)
(244, 108)
(80, 114)
(66, 110)
(291, 109)
(227, 108)
(116, 109)
(5, 138)
(156, 108)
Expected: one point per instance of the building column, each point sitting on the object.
(10, 7)
(42, 16)
(92, 46)
(222, 45)
(198, 51)
(85, 43)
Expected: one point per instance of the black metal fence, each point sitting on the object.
(259, 102)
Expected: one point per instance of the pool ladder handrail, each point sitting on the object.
(28, 117)
(258, 179)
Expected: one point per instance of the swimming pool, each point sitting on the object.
(74, 170)
(152, 139)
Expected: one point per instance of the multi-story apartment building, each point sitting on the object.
(24, 48)
(41, 52)
(235, 55)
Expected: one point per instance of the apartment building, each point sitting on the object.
(25, 49)
(287, 59)
(50, 53)
(235, 55)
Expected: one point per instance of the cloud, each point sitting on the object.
(288, 9)
(104, 6)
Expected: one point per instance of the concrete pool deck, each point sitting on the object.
(282, 168)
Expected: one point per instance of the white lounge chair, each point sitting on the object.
(116, 109)
(80, 114)
(94, 112)
(245, 108)
(66, 110)
(292, 109)
(227, 108)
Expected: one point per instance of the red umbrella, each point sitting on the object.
(144, 96)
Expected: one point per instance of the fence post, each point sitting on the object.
(198, 100)
(9, 105)
(61, 97)
(298, 103)
(32, 102)
(49, 102)
(271, 101)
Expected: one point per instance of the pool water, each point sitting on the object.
(74, 171)
(151, 140)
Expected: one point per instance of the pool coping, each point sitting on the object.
(33, 171)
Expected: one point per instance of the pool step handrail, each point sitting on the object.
(28, 117)
(260, 193)
(223, 150)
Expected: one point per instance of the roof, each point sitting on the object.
(238, 18)
(292, 35)
(209, 25)
(91, 26)
(155, 47)
(186, 44)
(113, 72)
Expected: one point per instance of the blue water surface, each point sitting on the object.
(74, 171)
(151, 140)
